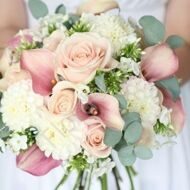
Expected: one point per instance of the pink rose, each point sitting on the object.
(63, 99)
(94, 141)
(53, 40)
(79, 56)
(159, 62)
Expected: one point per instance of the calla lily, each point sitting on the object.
(35, 162)
(39, 63)
(97, 7)
(178, 114)
(103, 106)
(159, 62)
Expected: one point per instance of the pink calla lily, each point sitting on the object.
(35, 162)
(103, 106)
(178, 114)
(159, 62)
(39, 63)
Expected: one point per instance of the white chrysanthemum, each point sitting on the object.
(2, 146)
(19, 105)
(17, 143)
(143, 98)
(104, 167)
(60, 137)
(114, 27)
(165, 116)
(54, 21)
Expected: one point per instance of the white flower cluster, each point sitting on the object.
(60, 137)
(54, 21)
(165, 116)
(20, 105)
(113, 27)
(143, 98)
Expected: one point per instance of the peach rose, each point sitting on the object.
(53, 40)
(79, 56)
(63, 99)
(94, 142)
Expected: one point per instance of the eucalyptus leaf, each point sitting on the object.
(133, 132)
(38, 8)
(143, 152)
(122, 143)
(126, 156)
(4, 131)
(100, 82)
(175, 41)
(171, 85)
(61, 9)
(154, 30)
(112, 137)
(131, 117)
(122, 101)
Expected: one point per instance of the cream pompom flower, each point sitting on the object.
(58, 137)
(144, 98)
(19, 105)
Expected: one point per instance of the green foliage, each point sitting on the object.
(78, 27)
(73, 19)
(38, 8)
(154, 30)
(143, 152)
(171, 85)
(131, 117)
(112, 137)
(78, 163)
(31, 134)
(175, 41)
(132, 51)
(100, 82)
(61, 9)
(112, 80)
(4, 130)
(122, 101)
(164, 130)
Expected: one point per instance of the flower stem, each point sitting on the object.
(117, 177)
(62, 181)
(89, 178)
(78, 181)
(130, 174)
(104, 183)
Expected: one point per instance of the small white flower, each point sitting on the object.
(82, 92)
(143, 98)
(129, 65)
(165, 116)
(90, 159)
(104, 167)
(60, 137)
(19, 105)
(17, 143)
(2, 146)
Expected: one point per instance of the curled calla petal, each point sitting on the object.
(178, 113)
(13, 75)
(97, 7)
(159, 62)
(35, 162)
(105, 107)
(39, 63)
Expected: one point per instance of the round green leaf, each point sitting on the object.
(133, 132)
(154, 30)
(61, 9)
(122, 101)
(131, 117)
(143, 152)
(126, 156)
(100, 82)
(122, 143)
(175, 41)
(38, 8)
(112, 137)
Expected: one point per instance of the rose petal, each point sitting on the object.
(159, 62)
(39, 63)
(35, 162)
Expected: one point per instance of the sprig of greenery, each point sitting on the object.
(112, 80)
(79, 27)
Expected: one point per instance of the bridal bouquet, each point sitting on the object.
(82, 92)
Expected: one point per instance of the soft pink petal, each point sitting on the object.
(159, 62)
(178, 114)
(39, 63)
(35, 162)
(108, 110)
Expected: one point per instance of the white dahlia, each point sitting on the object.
(113, 27)
(19, 105)
(60, 137)
(143, 98)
